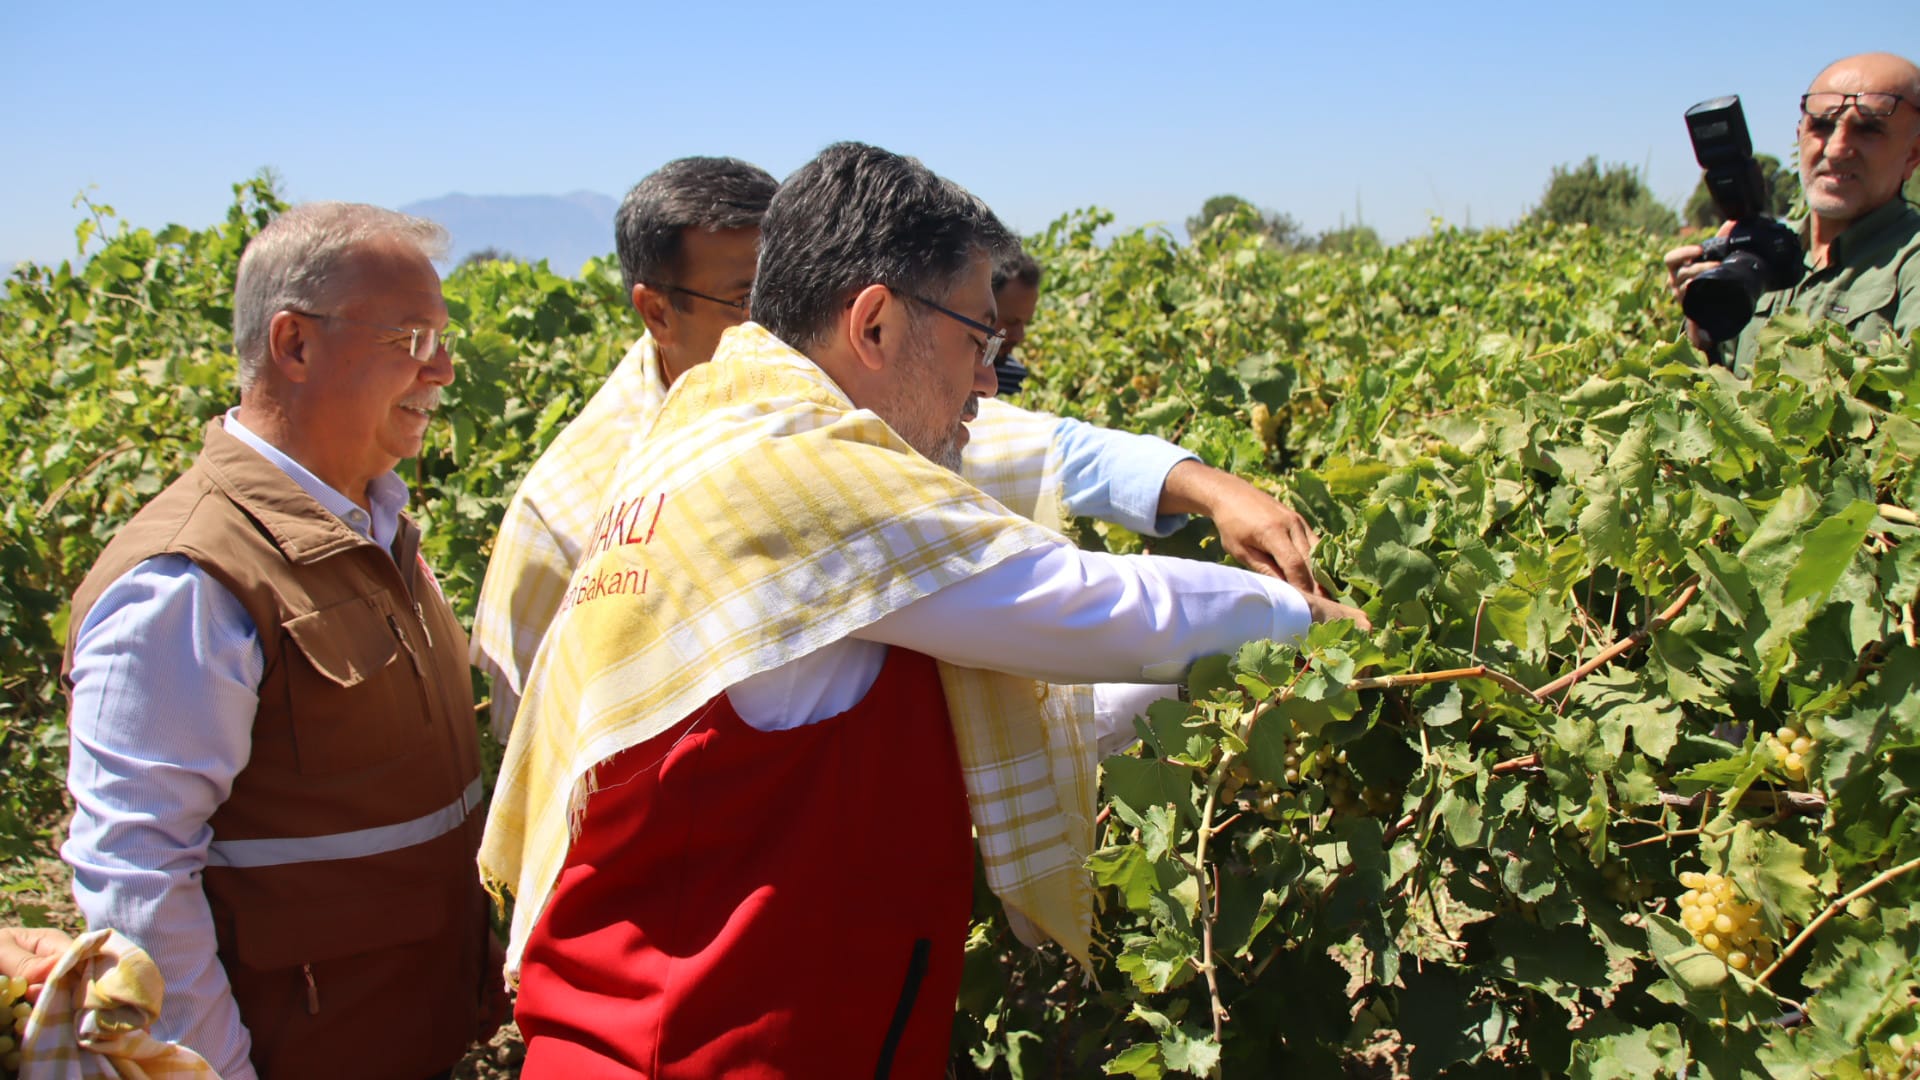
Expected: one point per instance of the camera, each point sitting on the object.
(1760, 254)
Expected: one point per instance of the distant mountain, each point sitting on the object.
(565, 230)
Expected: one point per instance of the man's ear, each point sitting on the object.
(877, 327)
(287, 343)
(656, 310)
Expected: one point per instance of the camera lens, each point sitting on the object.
(1720, 301)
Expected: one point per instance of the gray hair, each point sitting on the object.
(293, 262)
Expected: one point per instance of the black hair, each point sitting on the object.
(855, 216)
(1015, 266)
(711, 193)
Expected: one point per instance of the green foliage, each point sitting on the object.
(1783, 191)
(1614, 198)
(1513, 466)
(1349, 240)
(1233, 214)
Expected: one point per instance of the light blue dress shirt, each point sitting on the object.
(166, 672)
(1117, 477)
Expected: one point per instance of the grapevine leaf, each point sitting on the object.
(1828, 549)
(1210, 678)
(1773, 870)
(1137, 785)
(1187, 1050)
(1562, 962)
(1141, 1060)
(1657, 1051)
(1860, 969)
(1126, 868)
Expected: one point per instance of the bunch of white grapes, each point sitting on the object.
(1722, 922)
(13, 999)
(1791, 749)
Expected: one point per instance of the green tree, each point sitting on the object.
(488, 255)
(1614, 198)
(1783, 189)
(1237, 214)
(1349, 240)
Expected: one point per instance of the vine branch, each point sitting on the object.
(1834, 909)
(1626, 644)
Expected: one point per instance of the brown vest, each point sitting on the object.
(340, 943)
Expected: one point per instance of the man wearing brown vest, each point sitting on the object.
(274, 766)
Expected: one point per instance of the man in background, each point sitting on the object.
(1859, 137)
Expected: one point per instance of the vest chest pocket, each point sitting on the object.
(356, 691)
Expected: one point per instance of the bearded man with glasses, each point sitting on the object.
(1859, 143)
(735, 811)
(274, 765)
(687, 236)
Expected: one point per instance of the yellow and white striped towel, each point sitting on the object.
(762, 518)
(92, 1020)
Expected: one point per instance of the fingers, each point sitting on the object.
(1682, 264)
(1326, 610)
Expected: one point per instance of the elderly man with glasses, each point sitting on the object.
(274, 764)
(1859, 136)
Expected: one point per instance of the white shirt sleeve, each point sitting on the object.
(166, 674)
(1064, 615)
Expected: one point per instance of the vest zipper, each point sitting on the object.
(424, 628)
(313, 991)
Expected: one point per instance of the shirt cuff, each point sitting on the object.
(1118, 476)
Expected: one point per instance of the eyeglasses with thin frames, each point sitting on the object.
(989, 349)
(423, 342)
(739, 305)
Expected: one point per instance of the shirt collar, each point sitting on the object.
(1863, 229)
(386, 494)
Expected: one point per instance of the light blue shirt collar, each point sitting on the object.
(387, 493)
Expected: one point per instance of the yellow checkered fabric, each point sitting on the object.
(549, 521)
(93, 1016)
(762, 518)
(1012, 456)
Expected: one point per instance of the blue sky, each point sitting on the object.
(1393, 112)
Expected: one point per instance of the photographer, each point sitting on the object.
(1859, 141)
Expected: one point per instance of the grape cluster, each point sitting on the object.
(1306, 761)
(13, 994)
(1622, 888)
(1791, 749)
(1265, 422)
(1721, 922)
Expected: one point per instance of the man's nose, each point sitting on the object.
(985, 382)
(439, 370)
(1841, 141)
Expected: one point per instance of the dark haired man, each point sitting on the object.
(1859, 136)
(686, 235)
(717, 868)
(1016, 292)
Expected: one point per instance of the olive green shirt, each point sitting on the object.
(1870, 285)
